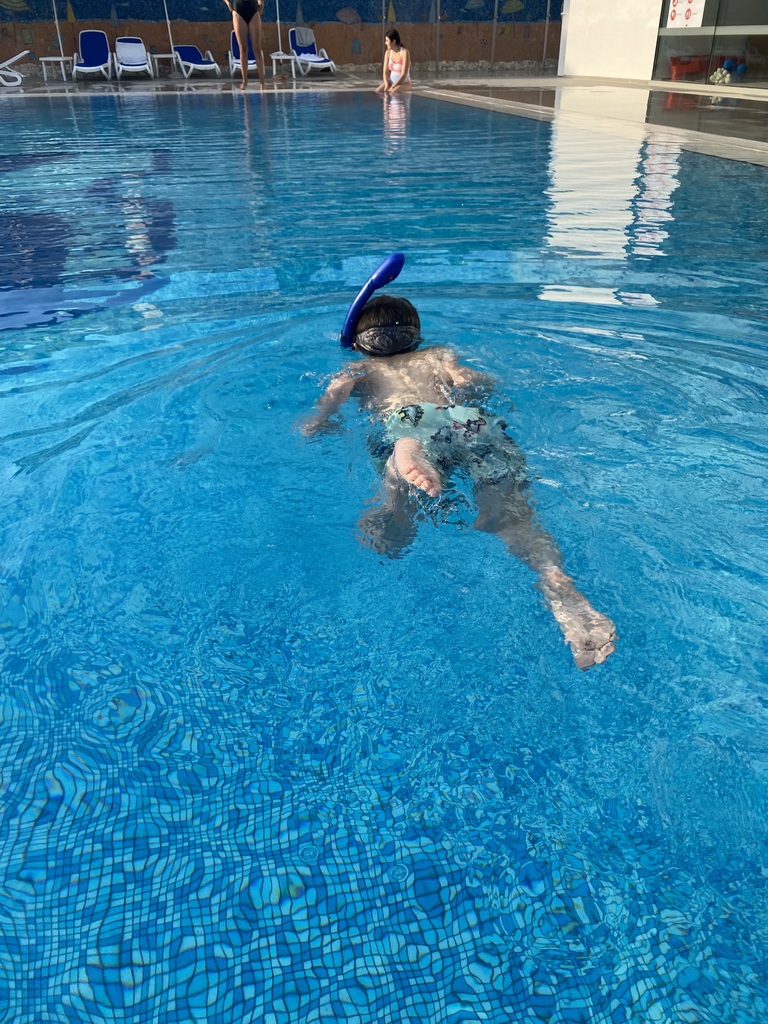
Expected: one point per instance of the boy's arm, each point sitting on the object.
(465, 376)
(334, 396)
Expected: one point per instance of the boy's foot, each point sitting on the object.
(409, 461)
(590, 634)
(591, 637)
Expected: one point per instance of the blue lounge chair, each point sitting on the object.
(304, 49)
(8, 77)
(131, 55)
(94, 54)
(233, 56)
(190, 59)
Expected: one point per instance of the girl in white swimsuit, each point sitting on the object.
(397, 64)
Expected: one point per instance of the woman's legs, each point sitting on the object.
(241, 31)
(255, 30)
(396, 84)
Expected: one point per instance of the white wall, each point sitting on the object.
(609, 38)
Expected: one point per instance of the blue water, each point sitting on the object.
(252, 771)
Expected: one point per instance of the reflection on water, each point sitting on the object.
(591, 198)
(734, 116)
(396, 111)
(609, 209)
(659, 167)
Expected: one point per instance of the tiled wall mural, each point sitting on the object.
(457, 32)
(520, 13)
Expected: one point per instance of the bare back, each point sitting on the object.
(385, 384)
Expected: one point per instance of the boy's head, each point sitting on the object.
(387, 326)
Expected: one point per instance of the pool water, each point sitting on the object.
(253, 771)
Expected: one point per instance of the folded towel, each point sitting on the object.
(304, 36)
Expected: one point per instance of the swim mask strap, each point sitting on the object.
(383, 274)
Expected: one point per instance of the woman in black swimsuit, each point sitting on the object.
(246, 21)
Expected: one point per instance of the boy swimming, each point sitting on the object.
(433, 423)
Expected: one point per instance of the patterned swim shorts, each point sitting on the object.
(459, 437)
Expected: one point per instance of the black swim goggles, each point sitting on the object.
(388, 341)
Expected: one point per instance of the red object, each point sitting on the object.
(679, 67)
(681, 101)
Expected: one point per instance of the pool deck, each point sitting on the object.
(716, 120)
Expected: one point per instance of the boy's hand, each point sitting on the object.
(319, 425)
(312, 426)
(336, 394)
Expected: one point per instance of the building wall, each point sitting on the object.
(609, 38)
(360, 43)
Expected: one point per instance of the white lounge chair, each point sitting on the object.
(94, 54)
(8, 77)
(304, 49)
(233, 56)
(131, 55)
(190, 59)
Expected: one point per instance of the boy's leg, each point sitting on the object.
(390, 527)
(503, 510)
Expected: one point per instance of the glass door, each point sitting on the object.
(722, 42)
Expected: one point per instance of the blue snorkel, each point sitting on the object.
(383, 274)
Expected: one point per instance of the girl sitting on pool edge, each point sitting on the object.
(397, 64)
(428, 432)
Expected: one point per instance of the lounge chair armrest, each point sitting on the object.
(322, 53)
(209, 56)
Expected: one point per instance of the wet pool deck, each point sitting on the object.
(716, 120)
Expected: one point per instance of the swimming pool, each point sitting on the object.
(251, 770)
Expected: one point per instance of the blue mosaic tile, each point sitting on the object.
(221, 802)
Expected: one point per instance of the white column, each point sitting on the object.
(608, 38)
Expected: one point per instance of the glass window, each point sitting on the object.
(730, 48)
